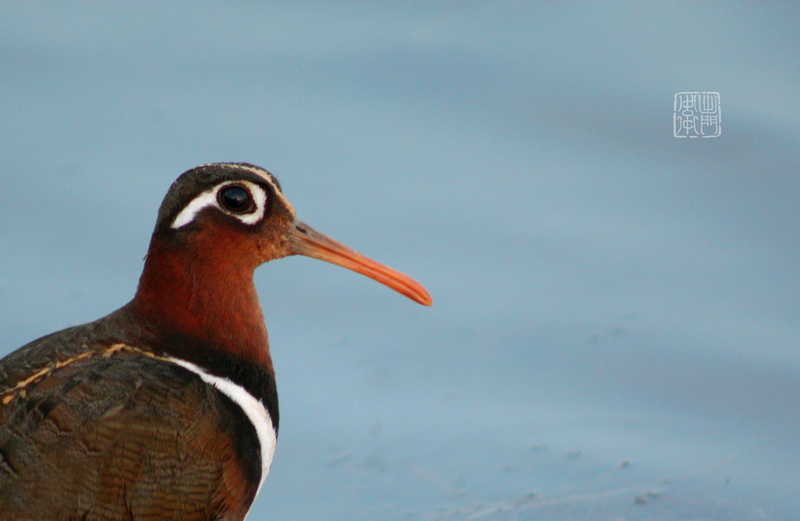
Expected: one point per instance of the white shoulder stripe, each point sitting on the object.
(252, 407)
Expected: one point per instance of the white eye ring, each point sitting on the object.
(209, 198)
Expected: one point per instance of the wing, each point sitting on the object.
(120, 434)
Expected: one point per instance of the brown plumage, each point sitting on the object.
(166, 408)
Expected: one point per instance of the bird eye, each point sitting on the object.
(236, 199)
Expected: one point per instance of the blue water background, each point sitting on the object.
(616, 323)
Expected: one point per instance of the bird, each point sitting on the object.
(167, 408)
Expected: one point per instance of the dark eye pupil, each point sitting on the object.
(235, 199)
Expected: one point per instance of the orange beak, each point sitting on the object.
(307, 241)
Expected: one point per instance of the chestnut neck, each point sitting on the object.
(204, 301)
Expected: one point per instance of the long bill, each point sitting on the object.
(307, 241)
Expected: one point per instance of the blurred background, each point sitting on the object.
(616, 324)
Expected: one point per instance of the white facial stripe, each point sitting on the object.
(209, 198)
(266, 176)
(259, 198)
(187, 215)
(253, 408)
